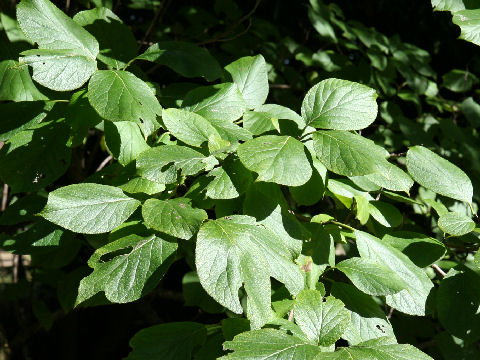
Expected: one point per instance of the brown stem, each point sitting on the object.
(439, 271)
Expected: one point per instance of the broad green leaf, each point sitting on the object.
(471, 110)
(269, 117)
(138, 264)
(438, 174)
(188, 127)
(451, 5)
(174, 217)
(391, 177)
(117, 43)
(269, 344)
(376, 349)
(17, 117)
(222, 101)
(161, 164)
(312, 191)
(348, 154)
(367, 319)
(169, 341)
(459, 81)
(235, 250)
(187, 59)
(278, 159)
(340, 105)
(456, 224)
(141, 185)
(362, 209)
(16, 83)
(195, 295)
(324, 322)
(421, 249)
(385, 213)
(229, 181)
(88, 208)
(25, 165)
(65, 59)
(251, 76)
(371, 277)
(469, 22)
(230, 131)
(410, 301)
(81, 117)
(458, 303)
(23, 210)
(124, 140)
(121, 96)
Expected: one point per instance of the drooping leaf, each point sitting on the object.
(385, 213)
(371, 277)
(278, 159)
(185, 58)
(161, 164)
(269, 117)
(16, 83)
(174, 217)
(438, 174)
(66, 56)
(340, 105)
(411, 300)
(121, 96)
(250, 75)
(188, 126)
(269, 343)
(124, 140)
(235, 250)
(324, 322)
(88, 208)
(222, 101)
(367, 319)
(391, 177)
(348, 154)
(456, 224)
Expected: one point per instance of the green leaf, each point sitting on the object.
(251, 76)
(230, 131)
(367, 319)
(16, 83)
(421, 249)
(376, 349)
(22, 210)
(229, 181)
(410, 301)
(348, 154)
(322, 322)
(124, 140)
(469, 22)
(174, 217)
(391, 177)
(459, 81)
(449, 5)
(458, 303)
(88, 208)
(385, 213)
(312, 191)
(222, 101)
(141, 185)
(121, 96)
(188, 127)
(456, 224)
(66, 56)
(169, 341)
(185, 58)
(127, 268)
(438, 174)
(371, 277)
(195, 295)
(234, 250)
(269, 117)
(269, 343)
(17, 117)
(117, 43)
(161, 164)
(278, 159)
(340, 105)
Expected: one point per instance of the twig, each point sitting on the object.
(104, 163)
(157, 19)
(67, 6)
(4, 197)
(439, 271)
(280, 86)
(233, 27)
(16, 267)
(290, 315)
(390, 313)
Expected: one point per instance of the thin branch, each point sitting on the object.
(4, 197)
(290, 315)
(233, 27)
(157, 19)
(439, 271)
(67, 6)
(104, 163)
